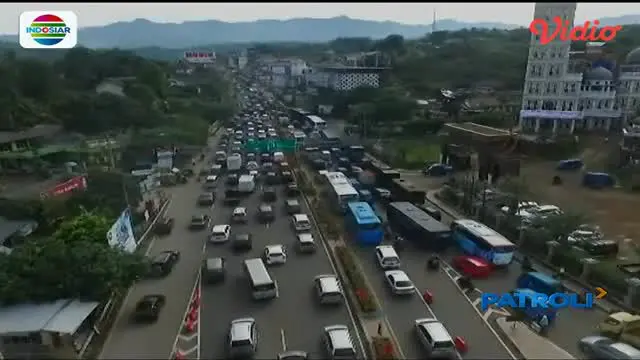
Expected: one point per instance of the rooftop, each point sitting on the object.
(36, 131)
(477, 129)
(63, 316)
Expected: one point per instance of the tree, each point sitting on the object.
(75, 263)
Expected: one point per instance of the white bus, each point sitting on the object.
(262, 285)
(315, 123)
(342, 192)
(477, 239)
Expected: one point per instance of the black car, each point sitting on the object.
(265, 157)
(287, 176)
(272, 178)
(199, 222)
(242, 242)
(265, 213)
(163, 263)
(292, 206)
(292, 190)
(149, 307)
(206, 199)
(232, 179)
(269, 194)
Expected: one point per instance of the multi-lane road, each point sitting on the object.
(450, 306)
(294, 320)
(571, 324)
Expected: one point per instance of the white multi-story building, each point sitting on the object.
(344, 78)
(558, 100)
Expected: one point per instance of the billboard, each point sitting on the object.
(121, 233)
(75, 183)
(200, 57)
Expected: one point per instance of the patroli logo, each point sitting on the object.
(564, 30)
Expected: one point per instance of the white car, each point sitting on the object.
(541, 212)
(239, 215)
(220, 234)
(253, 173)
(252, 165)
(399, 282)
(275, 254)
(523, 208)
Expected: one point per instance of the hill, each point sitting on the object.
(144, 33)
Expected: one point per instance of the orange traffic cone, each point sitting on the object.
(195, 303)
(190, 326)
(193, 314)
(427, 296)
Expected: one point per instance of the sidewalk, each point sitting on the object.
(573, 286)
(530, 344)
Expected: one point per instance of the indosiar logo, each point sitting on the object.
(48, 29)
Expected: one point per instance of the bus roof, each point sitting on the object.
(344, 189)
(491, 236)
(419, 217)
(329, 135)
(363, 213)
(316, 119)
(336, 175)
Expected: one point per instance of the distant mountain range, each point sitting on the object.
(144, 33)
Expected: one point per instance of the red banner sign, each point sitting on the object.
(200, 56)
(78, 182)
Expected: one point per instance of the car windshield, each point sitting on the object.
(403, 283)
(243, 342)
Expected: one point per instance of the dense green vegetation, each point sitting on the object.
(68, 255)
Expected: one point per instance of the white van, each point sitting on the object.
(387, 257)
(262, 285)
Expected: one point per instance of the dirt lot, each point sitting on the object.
(615, 211)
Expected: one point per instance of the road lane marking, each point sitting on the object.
(475, 308)
(187, 352)
(283, 339)
(187, 338)
(335, 271)
(394, 337)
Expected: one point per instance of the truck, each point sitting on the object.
(234, 162)
(246, 184)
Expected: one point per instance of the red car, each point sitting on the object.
(472, 266)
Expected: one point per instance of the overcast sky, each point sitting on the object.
(92, 14)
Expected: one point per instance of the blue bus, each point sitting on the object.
(363, 225)
(478, 239)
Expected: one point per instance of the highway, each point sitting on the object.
(450, 307)
(294, 320)
(571, 324)
(127, 340)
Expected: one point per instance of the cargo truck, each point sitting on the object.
(234, 162)
(246, 184)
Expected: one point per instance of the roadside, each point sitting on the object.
(127, 340)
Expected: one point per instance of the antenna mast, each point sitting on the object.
(433, 24)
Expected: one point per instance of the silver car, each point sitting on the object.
(242, 338)
(603, 348)
(399, 282)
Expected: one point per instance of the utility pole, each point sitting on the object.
(112, 161)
